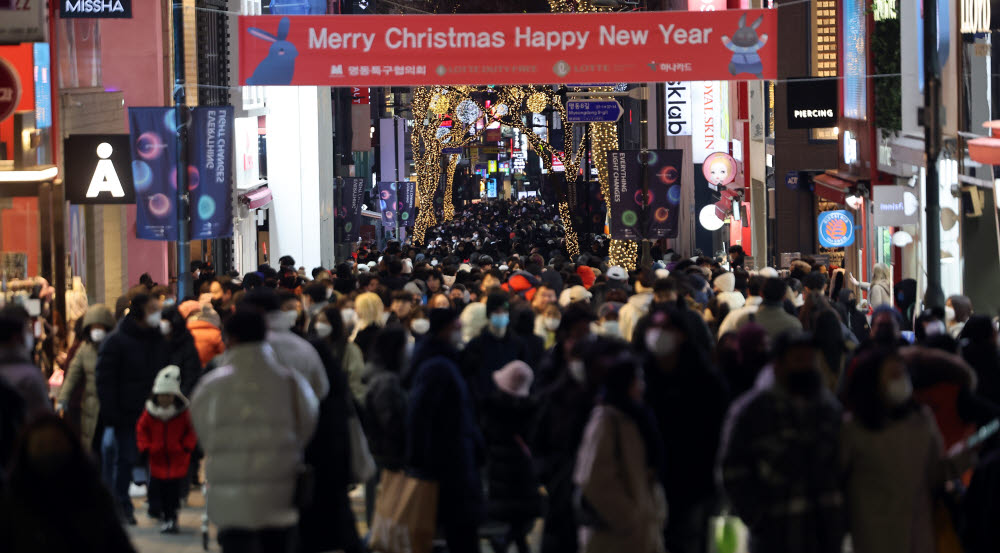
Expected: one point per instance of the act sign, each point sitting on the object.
(593, 111)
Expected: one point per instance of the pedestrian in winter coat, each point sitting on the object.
(443, 440)
(778, 462)
(385, 401)
(512, 484)
(165, 434)
(495, 346)
(253, 409)
(127, 364)
(892, 457)
(620, 463)
(183, 352)
(979, 349)
(290, 349)
(16, 367)
(205, 327)
(54, 501)
(328, 524)
(878, 288)
(689, 399)
(329, 325)
(637, 305)
(82, 373)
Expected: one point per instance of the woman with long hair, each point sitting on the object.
(369, 309)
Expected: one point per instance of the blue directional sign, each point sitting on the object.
(450, 151)
(593, 111)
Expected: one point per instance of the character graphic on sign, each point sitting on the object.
(279, 65)
(720, 171)
(744, 46)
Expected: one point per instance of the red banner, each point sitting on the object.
(413, 50)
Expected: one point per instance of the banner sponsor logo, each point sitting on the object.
(393, 50)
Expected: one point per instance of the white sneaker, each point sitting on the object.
(136, 491)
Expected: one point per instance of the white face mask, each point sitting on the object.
(348, 315)
(551, 323)
(660, 342)
(165, 327)
(610, 328)
(577, 370)
(949, 314)
(899, 391)
(420, 326)
(323, 329)
(97, 335)
(153, 319)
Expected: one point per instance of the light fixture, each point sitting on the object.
(910, 203)
(709, 219)
(39, 174)
(854, 202)
(948, 218)
(901, 239)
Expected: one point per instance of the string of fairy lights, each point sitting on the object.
(449, 206)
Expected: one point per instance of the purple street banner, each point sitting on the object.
(210, 172)
(387, 204)
(349, 210)
(663, 176)
(406, 206)
(154, 171)
(625, 186)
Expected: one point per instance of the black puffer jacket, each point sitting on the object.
(127, 364)
(184, 354)
(512, 492)
(385, 419)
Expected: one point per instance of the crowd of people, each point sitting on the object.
(628, 410)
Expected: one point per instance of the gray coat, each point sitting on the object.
(891, 476)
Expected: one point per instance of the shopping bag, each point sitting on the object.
(405, 518)
(727, 534)
(362, 462)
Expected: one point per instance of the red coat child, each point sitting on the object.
(166, 432)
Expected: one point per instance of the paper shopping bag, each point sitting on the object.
(405, 518)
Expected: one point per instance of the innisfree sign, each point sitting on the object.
(499, 49)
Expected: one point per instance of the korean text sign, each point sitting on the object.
(395, 50)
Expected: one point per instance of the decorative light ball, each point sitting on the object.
(442, 134)
(467, 111)
(439, 104)
(500, 110)
(537, 102)
(709, 218)
(902, 239)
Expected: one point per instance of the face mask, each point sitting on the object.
(420, 326)
(165, 327)
(949, 314)
(577, 370)
(97, 335)
(660, 342)
(169, 302)
(804, 383)
(500, 320)
(347, 315)
(552, 323)
(153, 319)
(610, 328)
(323, 329)
(898, 391)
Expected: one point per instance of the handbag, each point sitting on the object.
(405, 519)
(362, 463)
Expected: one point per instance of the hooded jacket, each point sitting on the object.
(83, 372)
(254, 418)
(207, 334)
(127, 363)
(166, 433)
(632, 311)
(297, 353)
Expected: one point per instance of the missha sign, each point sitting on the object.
(812, 104)
(95, 9)
(416, 50)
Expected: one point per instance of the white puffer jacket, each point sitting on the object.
(253, 418)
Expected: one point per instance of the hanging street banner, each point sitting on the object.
(663, 184)
(593, 111)
(406, 202)
(210, 172)
(418, 50)
(348, 213)
(153, 135)
(387, 204)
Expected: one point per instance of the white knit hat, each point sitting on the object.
(768, 272)
(168, 381)
(514, 378)
(726, 282)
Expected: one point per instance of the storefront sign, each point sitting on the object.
(678, 108)
(10, 89)
(43, 85)
(895, 206)
(396, 50)
(812, 104)
(247, 153)
(836, 229)
(98, 169)
(707, 132)
(95, 9)
(23, 21)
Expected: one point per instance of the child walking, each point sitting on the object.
(165, 433)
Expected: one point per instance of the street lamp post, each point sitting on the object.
(181, 122)
(931, 120)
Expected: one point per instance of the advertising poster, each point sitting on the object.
(349, 209)
(663, 188)
(387, 204)
(406, 202)
(152, 134)
(419, 50)
(210, 172)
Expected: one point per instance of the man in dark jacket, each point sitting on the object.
(127, 364)
(779, 459)
(443, 441)
(492, 349)
(16, 367)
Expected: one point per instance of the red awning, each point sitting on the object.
(258, 197)
(832, 188)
